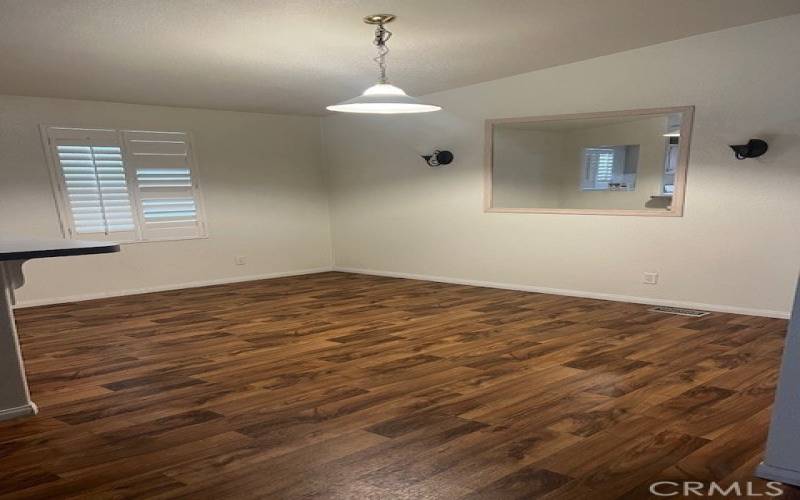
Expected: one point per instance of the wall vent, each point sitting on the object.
(680, 311)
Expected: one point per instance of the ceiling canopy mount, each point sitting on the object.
(379, 19)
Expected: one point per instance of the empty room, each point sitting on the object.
(417, 249)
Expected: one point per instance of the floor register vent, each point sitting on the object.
(680, 311)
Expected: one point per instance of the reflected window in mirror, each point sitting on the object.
(610, 168)
(615, 163)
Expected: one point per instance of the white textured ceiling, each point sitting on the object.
(296, 56)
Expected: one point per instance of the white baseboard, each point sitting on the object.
(162, 288)
(27, 410)
(786, 476)
(573, 293)
(424, 277)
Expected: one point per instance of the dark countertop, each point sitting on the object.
(24, 249)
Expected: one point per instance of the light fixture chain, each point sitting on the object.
(382, 35)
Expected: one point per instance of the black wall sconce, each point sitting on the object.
(753, 149)
(438, 158)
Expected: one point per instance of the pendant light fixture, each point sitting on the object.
(382, 98)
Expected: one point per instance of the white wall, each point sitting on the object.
(737, 247)
(261, 175)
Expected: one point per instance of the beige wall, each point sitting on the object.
(261, 176)
(737, 247)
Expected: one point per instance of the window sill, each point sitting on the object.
(134, 242)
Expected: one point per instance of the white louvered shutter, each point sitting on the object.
(166, 187)
(599, 167)
(92, 186)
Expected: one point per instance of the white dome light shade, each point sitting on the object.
(383, 99)
(384, 89)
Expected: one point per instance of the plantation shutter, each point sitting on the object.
(92, 186)
(599, 167)
(165, 183)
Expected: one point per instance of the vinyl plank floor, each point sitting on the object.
(339, 385)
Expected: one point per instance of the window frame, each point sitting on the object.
(58, 187)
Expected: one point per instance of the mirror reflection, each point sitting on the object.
(625, 161)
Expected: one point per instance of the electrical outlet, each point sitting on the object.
(650, 278)
(240, 260)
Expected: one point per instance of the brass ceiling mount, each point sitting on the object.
(379, 19)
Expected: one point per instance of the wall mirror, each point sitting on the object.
(613, 163)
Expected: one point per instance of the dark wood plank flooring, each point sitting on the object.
(345, 386)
